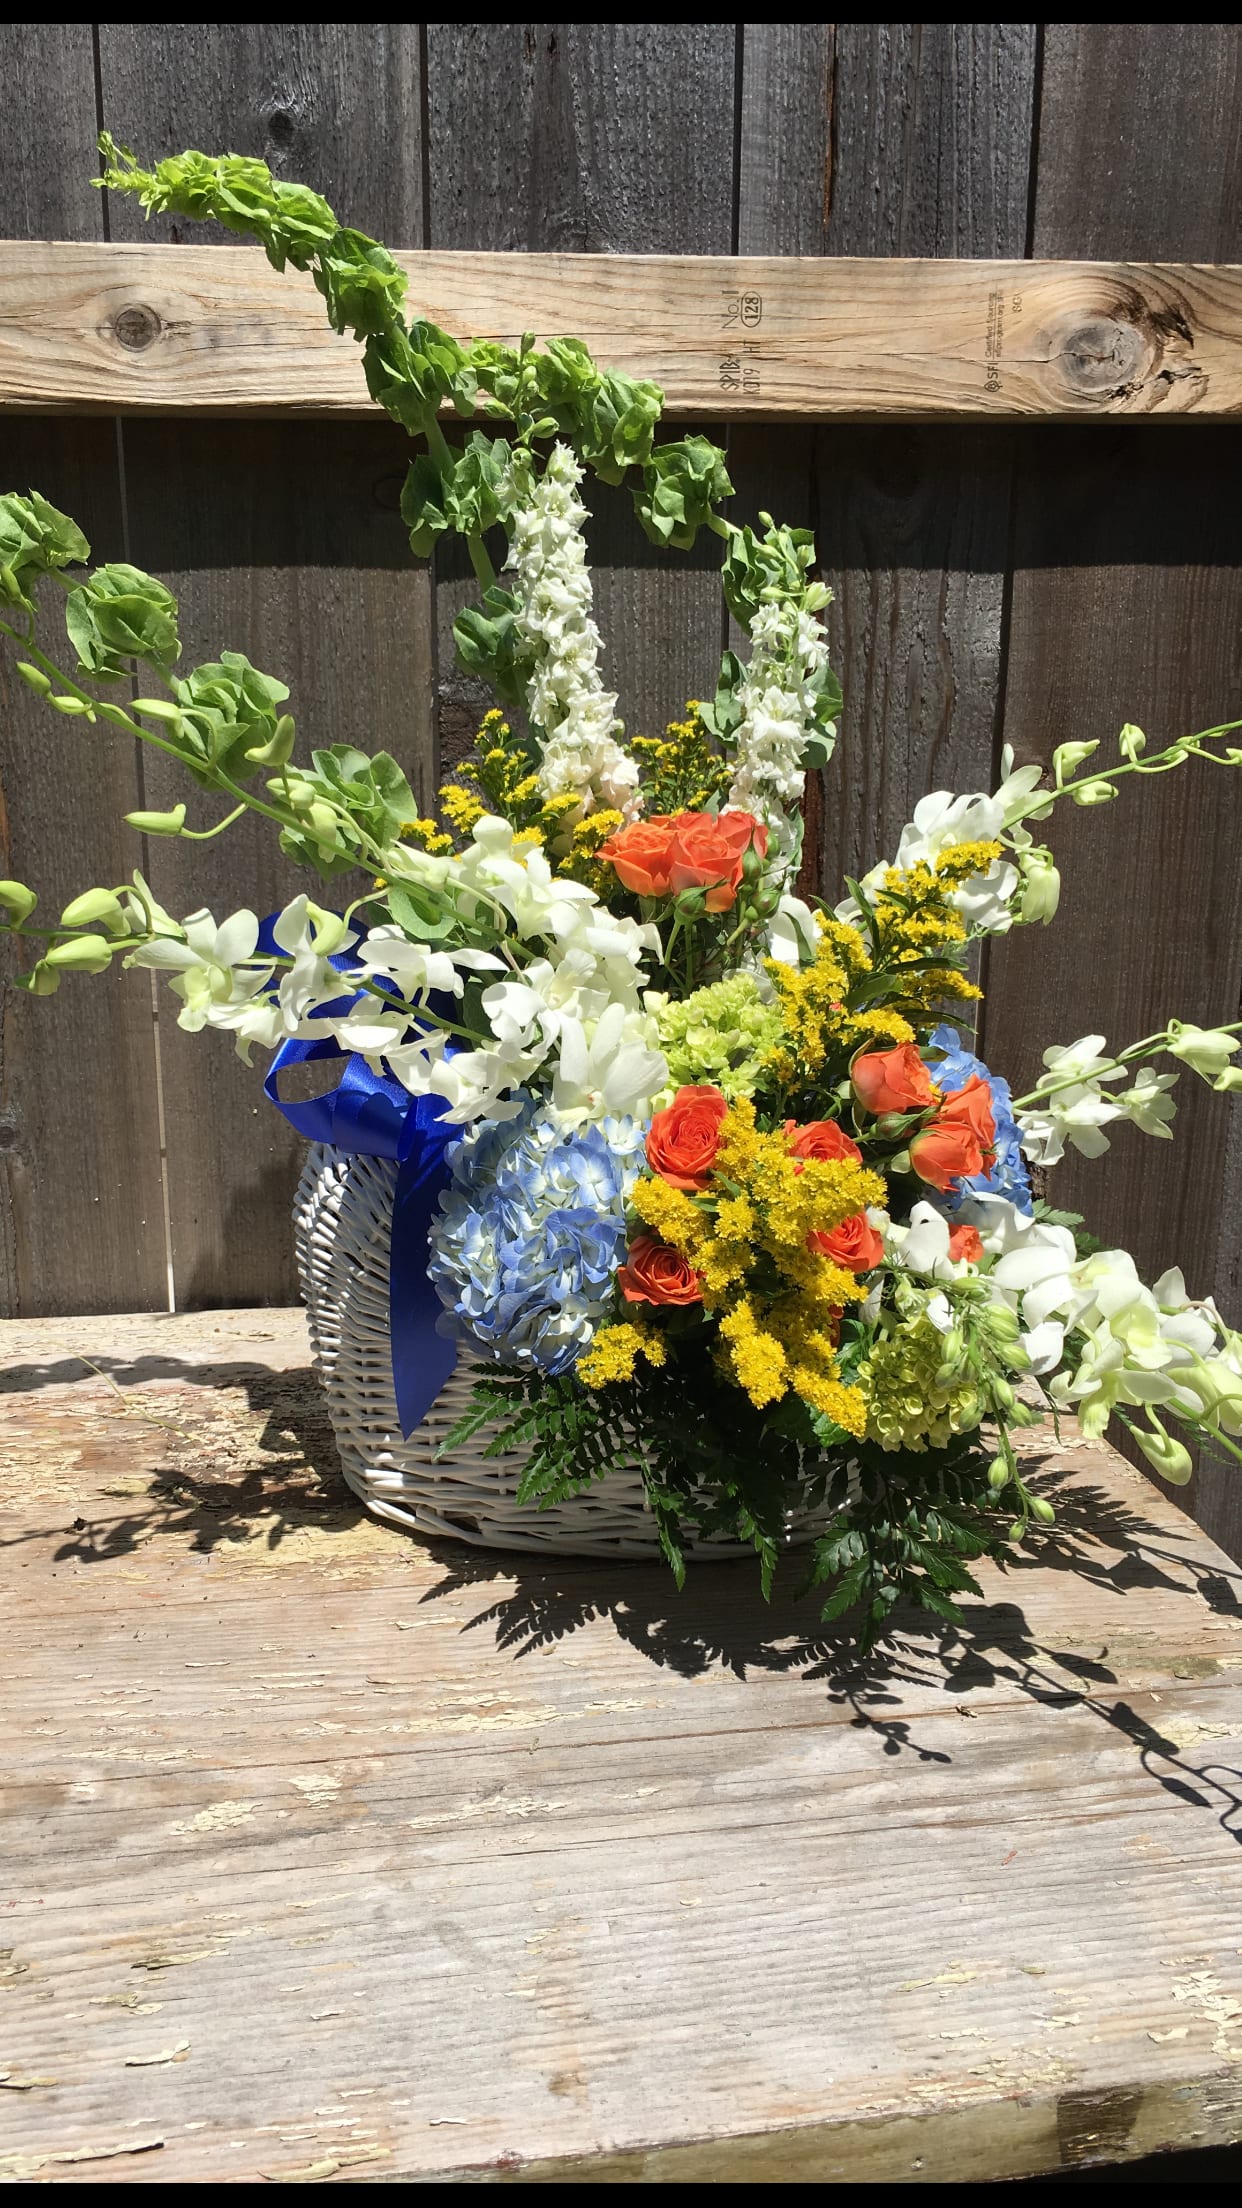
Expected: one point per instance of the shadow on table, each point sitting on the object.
(287, 1476)
(721, 1621)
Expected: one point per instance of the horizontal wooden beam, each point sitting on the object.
(157, 329)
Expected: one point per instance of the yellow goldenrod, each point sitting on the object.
(682, 771)
(615, 1352)
(427, 834)
(815, 1018)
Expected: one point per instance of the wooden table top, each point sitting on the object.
(331, 1855)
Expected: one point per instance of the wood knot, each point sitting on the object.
(136, 327)
(1103, 355)
(282, 126)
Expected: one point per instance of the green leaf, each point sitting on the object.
(480, 1413)
(419, 916)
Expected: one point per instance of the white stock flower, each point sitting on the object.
(778, 698)
(565, 695)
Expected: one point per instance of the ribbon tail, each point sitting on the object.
(422, 1359)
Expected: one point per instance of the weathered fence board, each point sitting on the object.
(145, 329)
(81, 1202)
(618, 141)
(911, 525)
(336, 104)
(1127, 562)
(931, 135)
(279, 545)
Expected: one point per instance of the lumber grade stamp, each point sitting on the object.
(87, 328)
(334, 1856)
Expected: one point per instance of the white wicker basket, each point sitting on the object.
(342, 1220)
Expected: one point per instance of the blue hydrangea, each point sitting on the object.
(1008, 1176)
(530, 1233)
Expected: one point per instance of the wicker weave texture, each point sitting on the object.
(342, 1222)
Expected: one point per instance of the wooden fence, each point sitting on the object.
(1010, 578)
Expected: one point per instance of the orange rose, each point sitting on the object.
(854, 1244)
(821, 1138)
(656, 1274)
(965, 1243)
(674, 851)
(742, 829)
(892, 1080)
(707, 853)
(960, 1140)
(682, 1139)
(642, 855)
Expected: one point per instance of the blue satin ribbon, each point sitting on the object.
(371, 1115)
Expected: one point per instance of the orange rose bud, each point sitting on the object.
(657, 1274)
(641, 855)
(682, 1140)
(892, 1080)
(960, 1140)
(822, 1138)
(855, 1244)
(965, 1243)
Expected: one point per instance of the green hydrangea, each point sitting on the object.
(721, 1034)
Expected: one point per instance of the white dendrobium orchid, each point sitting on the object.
(1069, 1103)
(214, 969)
(609, 1070)
(1148, 1105)
(793, 937)
(923, 1246)
(416, 970)
(566, 697)
(1115, 1341)
(307, 935)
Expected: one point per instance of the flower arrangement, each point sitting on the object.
(712, 1181)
